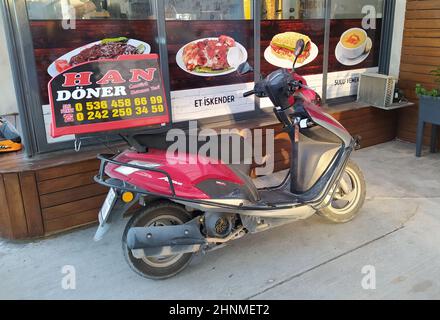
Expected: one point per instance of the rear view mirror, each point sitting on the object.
(299, 48)
(244, 68)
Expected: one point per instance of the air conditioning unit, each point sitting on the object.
(376, 90)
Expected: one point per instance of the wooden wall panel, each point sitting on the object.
(71, 221)
(5, 221)
(68, 182)
(31, 204)
(74, 207)
(420, 55)
(71, 195)
(66, 170)
(15, 204)
(423, 4)
(69, 200)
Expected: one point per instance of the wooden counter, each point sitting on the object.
(49, 192)
(54, 192)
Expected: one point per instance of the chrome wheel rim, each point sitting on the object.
(163, 261)
(347, 194)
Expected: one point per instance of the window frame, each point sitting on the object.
(25, 79)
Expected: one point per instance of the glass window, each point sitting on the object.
(345, 9)
(58, 39)
(282, 24)
(355, 37)
(90, 9)
(208, 9)
(292, 9)
(207, 40)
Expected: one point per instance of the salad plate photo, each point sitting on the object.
(214, 56)
(109, 48)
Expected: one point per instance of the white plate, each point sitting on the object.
(243, 56)
(52, 70)
(287, 64)
(347, 61)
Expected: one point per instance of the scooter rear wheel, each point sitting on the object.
(158, 214)
(349, 197)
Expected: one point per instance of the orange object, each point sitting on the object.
(354, 39)
(9, 146)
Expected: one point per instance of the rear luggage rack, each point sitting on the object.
(109, 158)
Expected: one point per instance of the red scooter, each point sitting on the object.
(201, 205)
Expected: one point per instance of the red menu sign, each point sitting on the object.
(108, 95)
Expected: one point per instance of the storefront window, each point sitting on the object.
(282, 24)
(292, 9)
(355, 35)
(345, 9)
(59, 40)
(207, 41)
(208, 9)
(90, 9)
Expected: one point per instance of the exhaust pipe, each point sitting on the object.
(165, 240)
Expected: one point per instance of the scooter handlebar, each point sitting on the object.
(259, 93)
(248, 93)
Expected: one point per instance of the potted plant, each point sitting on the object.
(429, 111)
(429, 100)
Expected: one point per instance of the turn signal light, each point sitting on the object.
(127, 196)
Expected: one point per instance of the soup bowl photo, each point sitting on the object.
(353, 42)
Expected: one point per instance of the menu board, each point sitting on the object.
(57, 48)
(108, 94)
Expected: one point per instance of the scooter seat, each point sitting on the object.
(232, 153)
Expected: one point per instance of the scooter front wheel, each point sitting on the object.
(161, 213)
(349, 196)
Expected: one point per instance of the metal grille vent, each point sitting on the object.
(376, 90)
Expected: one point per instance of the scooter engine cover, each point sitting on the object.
(218, 225)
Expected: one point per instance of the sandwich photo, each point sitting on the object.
(211, 56)
(281, 51)
(283, 46)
